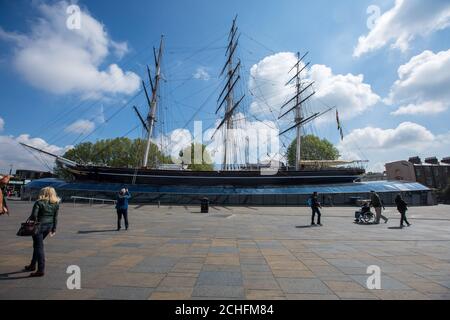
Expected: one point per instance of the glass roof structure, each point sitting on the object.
(356, 187)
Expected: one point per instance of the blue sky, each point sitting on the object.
(51, 107)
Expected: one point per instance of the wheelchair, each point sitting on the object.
(364, 217)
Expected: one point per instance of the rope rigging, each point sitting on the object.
(171, 108)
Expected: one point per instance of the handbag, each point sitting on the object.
(28, 228)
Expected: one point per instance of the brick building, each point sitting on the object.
(431, 173)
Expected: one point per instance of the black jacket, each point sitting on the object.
(45, 213)
(402, 206)
(315, 202)
(375, 201)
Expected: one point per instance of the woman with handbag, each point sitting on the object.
(4, 180)
(45, 212)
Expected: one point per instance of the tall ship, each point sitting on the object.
(268, 174)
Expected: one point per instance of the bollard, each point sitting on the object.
(204, 206)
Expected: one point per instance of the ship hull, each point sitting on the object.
(211, 178)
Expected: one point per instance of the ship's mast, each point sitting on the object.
(151, 117)
(232, 78)
(297, 98)
(229, 123)
(298, 116)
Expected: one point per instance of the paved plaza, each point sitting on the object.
(230, 253)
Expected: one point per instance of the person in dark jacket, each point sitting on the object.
(122, 208)
(377, 204)
(45, 211)
(402, 206)
(315, 205)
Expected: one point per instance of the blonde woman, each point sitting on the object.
(4, 180)
(45, 211)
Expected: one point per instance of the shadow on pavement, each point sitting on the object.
(365, 223)
(304, 227)
(6, 276)
(95, 231)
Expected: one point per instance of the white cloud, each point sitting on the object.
(385, 145)
(120, 48)
(2, 124)
(178, 140)
(426, 108)
(201, 74)
(267, 85)
(347, 92)
(407, 134)
(22, 158)
(81, 126)
(59, 60)
(404, 22)
(423, 84)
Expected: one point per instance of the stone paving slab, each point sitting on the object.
(300, 286)
(230, 253)
(124, 293)
(216, 291)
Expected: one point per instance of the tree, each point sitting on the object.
(312, 148)
(118, 152)
(193, 164)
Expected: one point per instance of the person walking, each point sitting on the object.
(402, 206)
(4, 180)
(315, 205)
(122, 207)
(376, 203)
(45, 211)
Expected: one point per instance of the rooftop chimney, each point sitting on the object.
(415, 160)
(432, 160)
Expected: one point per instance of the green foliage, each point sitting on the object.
(206, 163)
(118, 152)
(313, 148)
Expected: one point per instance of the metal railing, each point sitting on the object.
(91, 200)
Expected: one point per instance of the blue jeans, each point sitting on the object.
(120, 213)
(314, 211)
(38, 246)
